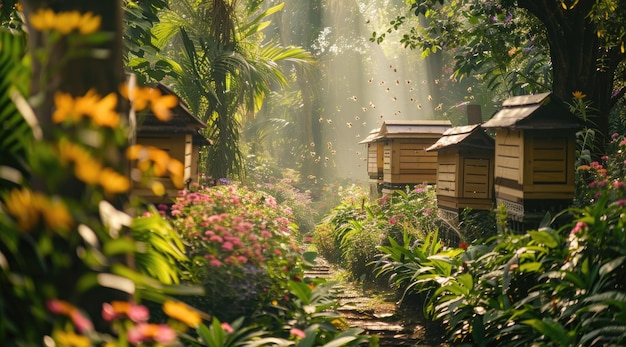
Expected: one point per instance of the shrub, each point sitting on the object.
(241, 245)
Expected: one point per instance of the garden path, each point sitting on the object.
(376, 313)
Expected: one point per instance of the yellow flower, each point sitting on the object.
(87, 169)
(579, 95)
(161, 105)
(100, 110)
(56, 215)
(27, 208)
(160, 158)
(157, 188)
(65, 22)
(70, 339)
(182, 312)
(104, 114)
(113, 182)
(43, 19)
(65, 109)
(89, 23)
(19, 204)
(19, 7)
(176, 170)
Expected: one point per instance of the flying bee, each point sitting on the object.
(364, 123)
(397, 113)
(394, 98)
(358, 153)
(430, 98)
(423, 81)
(381, 116)
(382, 83)
(387, 90)
(349, 125)
(372, 105)
(357, 117)
(358, 136)
(411, 89)
(312, 154)
(329, 121)
(326, 158)
(412, 99)
(370, 80)
(317, 160)
(408, 81)
(364, 109)
(329, 144)
(419, 106)
(333, 152)
(321, 119)
(311, 177)
(312, 144)
(436, 81)
(397, 82)
(439, 107)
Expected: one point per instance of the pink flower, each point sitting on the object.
(227, 328)
(227, 246)
(621, 203)
(176, 213)
(297, 333)
(145, 332)
(81, 322)
(580, 226)
(215, 263)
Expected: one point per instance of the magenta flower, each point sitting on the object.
(227, 328)
(297, 333)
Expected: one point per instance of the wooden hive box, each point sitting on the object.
(179, 137)
(405, 161)
(465, 165)
(534, 155)
(375, 148)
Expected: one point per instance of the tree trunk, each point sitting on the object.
(580, 63)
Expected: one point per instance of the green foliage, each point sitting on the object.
(358, 227)
(13, 78)
(546, 287)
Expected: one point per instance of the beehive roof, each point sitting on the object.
(538, 111)
(182, 119)
(468, 136)
(373, 136)
(413, 128)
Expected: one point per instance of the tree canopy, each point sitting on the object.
(582, 42)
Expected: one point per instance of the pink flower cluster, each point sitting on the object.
(231, 225)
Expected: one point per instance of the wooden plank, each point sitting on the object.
(508, 162)
(419, 166)
(447, 177)
(447, 168)
(508, 173)
(507, 193)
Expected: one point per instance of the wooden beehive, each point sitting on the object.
(179, 137)
(375, 148)
(465, 165)
(405, 161)
(534, 155)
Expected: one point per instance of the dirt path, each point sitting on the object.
(376, 314)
